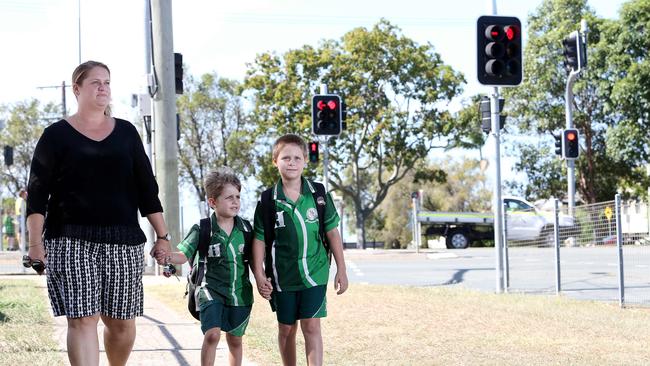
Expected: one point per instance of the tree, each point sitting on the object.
(24, 124)
(538, 104)
(395, 91)
(459, 185)
(214, 130)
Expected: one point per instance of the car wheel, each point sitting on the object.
(457, 240)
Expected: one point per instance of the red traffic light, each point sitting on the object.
(570, 136)
(330, 104)
(511, 32)
(313, 146)
(494, 32)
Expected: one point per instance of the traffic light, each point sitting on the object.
(313, 152)
(8, 155)
(558, 144)
(498, 50)
(326, 114)
(485, 111)
(574, 51)
(178, 72)
(570, 144)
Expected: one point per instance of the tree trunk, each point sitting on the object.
(361, 230)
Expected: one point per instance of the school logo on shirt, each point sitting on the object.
(214, 250)
(320, 201)
(279, 221)
(312, 214)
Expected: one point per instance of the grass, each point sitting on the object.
(26, 327)
(399, 325)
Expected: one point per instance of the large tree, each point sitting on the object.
(23, 125)
(538, 104)
(396, 93)
(213, 130)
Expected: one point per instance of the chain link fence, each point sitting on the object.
(599, 251)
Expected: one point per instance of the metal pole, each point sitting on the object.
(619, 247)
(414, 200)
(506, 261)
(165, 114)
(497, 205)
(79, 29)
(556, 236)
(570, 163)
(324, 140)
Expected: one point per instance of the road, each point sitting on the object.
(586, 273)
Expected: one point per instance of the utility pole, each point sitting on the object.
(164, 113)
(63, 85)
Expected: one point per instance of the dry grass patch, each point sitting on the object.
(26, 327)
(398, 325)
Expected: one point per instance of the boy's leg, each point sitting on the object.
(287, 343)
(209, 347)
(313, 341)
(234, 349)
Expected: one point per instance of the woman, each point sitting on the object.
(89, 177)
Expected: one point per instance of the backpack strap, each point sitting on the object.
(320, 199)
(248, 239)
(205, 229)
(266, 205)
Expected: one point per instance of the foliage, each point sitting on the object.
(214, 130)
(24, 124)
(395, 91)
(538, 105)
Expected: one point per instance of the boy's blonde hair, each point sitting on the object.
(217, 179)
(289, 139)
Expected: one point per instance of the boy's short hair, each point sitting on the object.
(288, 139)
(217, 179)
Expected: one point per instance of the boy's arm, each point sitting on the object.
(264, 286)
(176, 258)
(336, 246)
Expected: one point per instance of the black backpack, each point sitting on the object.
(266, 205)
(197, 273)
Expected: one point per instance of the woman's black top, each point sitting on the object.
(92, 190)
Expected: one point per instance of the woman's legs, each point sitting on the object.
(83, 345)
(119, 336)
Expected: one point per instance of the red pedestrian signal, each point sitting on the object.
(313, 152)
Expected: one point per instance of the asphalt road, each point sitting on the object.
(586, 273)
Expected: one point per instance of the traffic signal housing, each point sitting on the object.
(498, 51)
(485, 111)
(8, 155)
(558, 144)
(326, 114)
(574, 52)
(570, 143)
(313, 152)
(178, 72)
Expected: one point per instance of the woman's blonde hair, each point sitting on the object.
(81, 72)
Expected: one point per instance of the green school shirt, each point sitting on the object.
(226, 278)
(298, 255)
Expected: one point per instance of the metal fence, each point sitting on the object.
(598, 252)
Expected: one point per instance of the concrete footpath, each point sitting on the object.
(164, 337)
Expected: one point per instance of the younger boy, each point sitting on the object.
(297, 265)
(226, 299)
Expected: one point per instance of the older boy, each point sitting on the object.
(297, 264)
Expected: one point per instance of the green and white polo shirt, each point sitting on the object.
(226, 277)
(298, 256)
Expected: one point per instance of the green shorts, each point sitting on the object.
(231, 319)
(304, 304)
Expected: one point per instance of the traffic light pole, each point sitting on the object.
(497, 205)
(570, 163)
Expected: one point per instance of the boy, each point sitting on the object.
(297, 265)
(226, 299)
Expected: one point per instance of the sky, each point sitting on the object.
(44, 40)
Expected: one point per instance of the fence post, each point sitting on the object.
(619, 246)
(556, 237)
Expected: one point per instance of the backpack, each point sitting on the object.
(266, 205)
(197, 273)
